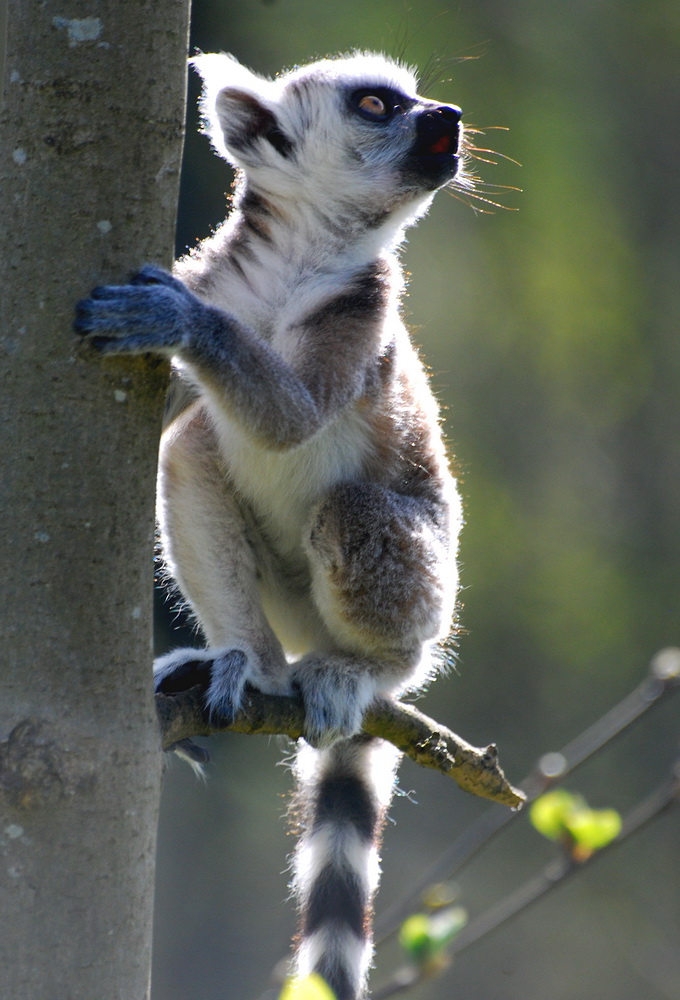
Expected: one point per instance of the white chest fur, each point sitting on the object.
(282, 486)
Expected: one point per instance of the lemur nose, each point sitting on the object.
(450, 113)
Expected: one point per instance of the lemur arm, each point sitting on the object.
(240, 371)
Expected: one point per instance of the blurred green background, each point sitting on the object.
(552, 332)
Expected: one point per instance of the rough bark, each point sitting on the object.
(90, 144)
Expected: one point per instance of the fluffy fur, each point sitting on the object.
(306, 508)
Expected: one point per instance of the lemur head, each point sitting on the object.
(349, 132)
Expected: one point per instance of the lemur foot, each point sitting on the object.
(153, 313)
(220, 673)
(334, 697)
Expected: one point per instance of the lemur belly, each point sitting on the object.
(282, 487)
(279, 491)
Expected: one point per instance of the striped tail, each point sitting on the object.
(342, 800)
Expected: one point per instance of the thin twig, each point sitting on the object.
(644, 812)
(554, 874)
(663, 679)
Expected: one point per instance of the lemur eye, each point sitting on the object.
(379, 104)
(373, 106)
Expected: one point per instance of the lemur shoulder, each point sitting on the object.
(306, 508)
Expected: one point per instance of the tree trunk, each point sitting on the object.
(90, 144)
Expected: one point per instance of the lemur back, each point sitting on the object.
(307, 512)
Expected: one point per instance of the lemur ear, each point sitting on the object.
(238, 107)
(244, 118)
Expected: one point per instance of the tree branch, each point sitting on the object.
(429, 744)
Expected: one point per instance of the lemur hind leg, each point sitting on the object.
(207, 551)
(378, 565)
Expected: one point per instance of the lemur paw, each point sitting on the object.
(334, 699)
(220, 673)
(152, 313)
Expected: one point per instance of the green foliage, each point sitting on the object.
(424, 937)
(566, 817)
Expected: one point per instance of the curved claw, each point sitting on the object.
(194, 755)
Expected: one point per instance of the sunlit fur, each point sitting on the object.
(307, 511)
(338, 205)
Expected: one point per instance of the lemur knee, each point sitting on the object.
(376, 565)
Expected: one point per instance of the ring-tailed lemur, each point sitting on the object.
(306, 508)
